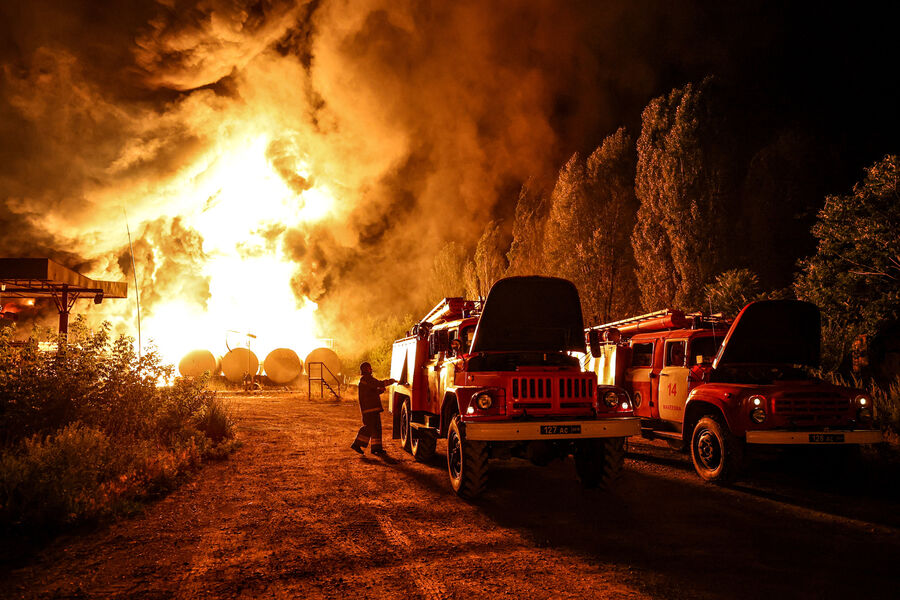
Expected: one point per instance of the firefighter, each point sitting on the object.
(370, 390)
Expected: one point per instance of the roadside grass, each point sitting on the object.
(885, 400)
(92, 434)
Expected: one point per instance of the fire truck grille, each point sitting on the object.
(811, 405)
(573, 394)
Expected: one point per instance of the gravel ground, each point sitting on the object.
(295, 513)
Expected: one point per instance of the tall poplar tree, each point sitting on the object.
(526, 252)
(591, 215)
(687, 185)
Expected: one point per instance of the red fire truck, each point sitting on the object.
(717, 387)
(500, 381)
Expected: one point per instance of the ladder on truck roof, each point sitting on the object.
(450, 309)
(664, 319)
(676, 314)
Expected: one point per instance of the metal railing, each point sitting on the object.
(321, 379)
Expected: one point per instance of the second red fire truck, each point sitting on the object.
(717, 388)
(501, 381)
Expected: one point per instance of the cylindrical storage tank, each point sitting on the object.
(239, 362)
(329, 358)
(197, 362)
(283, 365)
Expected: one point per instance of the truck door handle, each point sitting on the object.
(663, 374)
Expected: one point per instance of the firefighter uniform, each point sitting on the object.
(370, 390)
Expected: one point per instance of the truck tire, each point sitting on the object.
(599, 463)
(405, 429)
(467, 463)
(423, 444)
(715, 452)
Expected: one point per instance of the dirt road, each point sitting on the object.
(296, 514)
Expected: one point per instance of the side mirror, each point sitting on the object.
(594, 342)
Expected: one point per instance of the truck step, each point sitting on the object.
(663, 435)
(422, 427)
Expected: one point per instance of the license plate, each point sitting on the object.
(560, 429)
(825, 438)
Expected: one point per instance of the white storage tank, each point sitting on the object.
(329, 358)
(282, 365)
(238, 363)
(197, 362)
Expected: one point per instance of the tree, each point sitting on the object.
(447, 277)
(732, 290)
(854, 276)
(687, 185)
(489, 263)
(782, 191)
(611, 173)
(587, 236)
(526, 252)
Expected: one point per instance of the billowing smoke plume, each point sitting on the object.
(417, 117)
(392, 128)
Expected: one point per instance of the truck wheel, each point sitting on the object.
(716, 453)
(423, 444)
(598, 463)
(405, 418)
(466, 463)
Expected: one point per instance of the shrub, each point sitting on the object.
(887, 404)
(88, 432)
(215, 420)
(56, 478)
(886, 400)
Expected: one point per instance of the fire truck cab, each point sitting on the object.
(500, 381)
(716, 387)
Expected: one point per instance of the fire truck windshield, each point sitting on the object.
(704, 349)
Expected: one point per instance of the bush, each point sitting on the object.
(88, 432)
(886, 400)
(57, 478)
(887, 405)
(732, 290)
(215, 420)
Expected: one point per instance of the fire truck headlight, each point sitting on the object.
(862, 401)
(757, 401)
(484, 401)
(758, 415)
(611, 399)
(865, 414)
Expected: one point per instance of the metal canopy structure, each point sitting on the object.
(44, 278)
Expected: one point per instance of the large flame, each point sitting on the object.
(232, 200)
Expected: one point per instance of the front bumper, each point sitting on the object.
(514, 431)
(831, 437)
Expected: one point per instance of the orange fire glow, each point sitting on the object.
(231, 200)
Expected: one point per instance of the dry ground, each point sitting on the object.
(295, 513)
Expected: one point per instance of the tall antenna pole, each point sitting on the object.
(137, 294)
